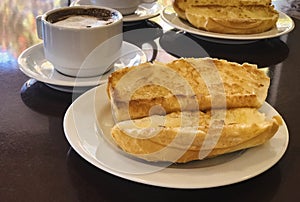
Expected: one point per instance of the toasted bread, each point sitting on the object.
(186, 84)
(184, 136)
(230, 17)
(183, 4)
(233, 20)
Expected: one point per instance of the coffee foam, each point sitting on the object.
(76, 17)
(83, 21)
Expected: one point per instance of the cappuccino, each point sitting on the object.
(83, 18)
(83, 21)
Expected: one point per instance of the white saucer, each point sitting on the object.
(283, 26)
(32, 62)
(143, 12)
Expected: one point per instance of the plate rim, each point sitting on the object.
(220, 36)
(130, 18)
(77, 81)
(148, 178)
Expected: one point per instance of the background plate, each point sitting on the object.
(283, 26)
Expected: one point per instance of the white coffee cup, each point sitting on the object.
(126, 7)
(83, 45)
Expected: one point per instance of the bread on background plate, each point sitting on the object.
(233, 20)
(229, 17)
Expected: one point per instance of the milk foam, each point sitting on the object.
(83, 21)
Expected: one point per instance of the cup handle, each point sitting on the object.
(39, 26)
(153, 50)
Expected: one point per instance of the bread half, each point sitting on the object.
(186, 84)
(181, 5)
(186, 136)
(231, 19)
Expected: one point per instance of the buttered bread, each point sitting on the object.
(185, 84)
(189, 109)
(230, 17)
(186, 136)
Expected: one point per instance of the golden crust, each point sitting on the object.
(243, 128)
(179, 10)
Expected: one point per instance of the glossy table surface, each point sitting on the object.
(38, 164)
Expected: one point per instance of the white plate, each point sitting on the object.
(143, 12)
(283, 26)
(33, 63)
(87, 125)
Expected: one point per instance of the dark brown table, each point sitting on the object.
(38, 164)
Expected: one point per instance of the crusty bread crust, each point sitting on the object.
(179, 9)
(239, 85)
(243, 128)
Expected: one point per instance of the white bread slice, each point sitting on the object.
(186, 84)
(231, 19)
(180, 136)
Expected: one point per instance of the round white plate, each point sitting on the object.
(87, 125)
(283, 26)
(33, 63)
(143, 12)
